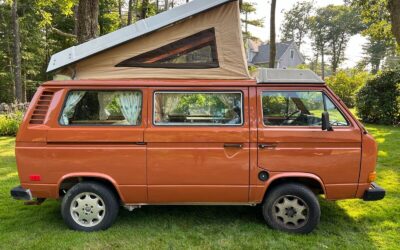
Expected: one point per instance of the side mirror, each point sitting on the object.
(326, 125)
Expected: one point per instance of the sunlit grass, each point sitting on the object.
(349, 224)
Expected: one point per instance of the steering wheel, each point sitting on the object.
(292, 114)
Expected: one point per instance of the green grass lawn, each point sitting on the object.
(349, 224)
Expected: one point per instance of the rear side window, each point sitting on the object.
(299, 108)
(94, 107)
(198, 108)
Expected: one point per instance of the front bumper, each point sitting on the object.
(374, 193)
(20, 193)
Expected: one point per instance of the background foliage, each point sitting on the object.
(379, 100)
(9, 123)
(346, 83)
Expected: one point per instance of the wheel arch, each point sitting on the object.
(312, 181)
(69, 180)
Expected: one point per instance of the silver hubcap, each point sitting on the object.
(87, 209)
(290, 211)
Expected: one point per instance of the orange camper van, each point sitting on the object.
(168, 114)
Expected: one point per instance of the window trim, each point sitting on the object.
(324, 94)
(199, 92)
(99, 125)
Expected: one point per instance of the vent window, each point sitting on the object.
(198, 51)
(41, 107)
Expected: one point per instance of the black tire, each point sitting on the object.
(291, 207)
(108, 200)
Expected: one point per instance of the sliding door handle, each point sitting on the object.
(141, 143)
(267, 145)
(233, 145)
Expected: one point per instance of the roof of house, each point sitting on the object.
(254, 45)
(263, 52)
(128, 33)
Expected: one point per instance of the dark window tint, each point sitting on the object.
(102, 108)
(196, 51)
(299, 108)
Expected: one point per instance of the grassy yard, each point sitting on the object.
(345, 224)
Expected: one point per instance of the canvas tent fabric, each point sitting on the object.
(225, 22)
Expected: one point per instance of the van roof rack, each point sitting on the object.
(270, 76)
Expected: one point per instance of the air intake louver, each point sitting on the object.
(41, 108)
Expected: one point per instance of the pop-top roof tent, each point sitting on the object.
(199, 40)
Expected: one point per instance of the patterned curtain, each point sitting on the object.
(131, 105)
(73, 99)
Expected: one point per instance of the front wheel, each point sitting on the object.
(89, 206)
(292, 208)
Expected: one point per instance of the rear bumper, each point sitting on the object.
(20, 193)
(374, 193)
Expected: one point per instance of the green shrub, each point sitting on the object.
(346, 84)
(379, 100)
(9, 124)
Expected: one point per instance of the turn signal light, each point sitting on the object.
(372, 176)
(35, 177)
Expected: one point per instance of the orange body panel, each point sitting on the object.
(149, 164)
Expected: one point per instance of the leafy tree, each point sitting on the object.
(110, 17)
(379, 100)
(319, 36)
(382, 19)
(347, 83)
(246, 9)
(375, 52)
(331, 29)
(6, 78)
(296, 22)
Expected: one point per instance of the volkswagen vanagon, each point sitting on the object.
(97, 145)
(164, 111)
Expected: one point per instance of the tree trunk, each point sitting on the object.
(246, 28)
(130, 9)
(394, 9)
(16, 53)
(166, 5)
(272, 49)
(120, 13)
(322, 64)
(88, 20)
(145, 6)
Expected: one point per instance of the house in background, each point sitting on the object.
(287, 54)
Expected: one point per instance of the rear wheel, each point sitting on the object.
(291, 207)
(89, 206)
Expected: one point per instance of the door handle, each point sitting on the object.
(233, 145)
(267, 145)
(140, 143)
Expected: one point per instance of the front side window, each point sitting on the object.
(198, 108)
(299, 108)
(94, 107)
